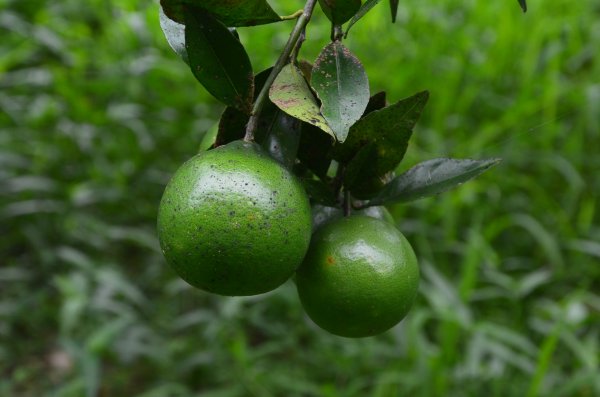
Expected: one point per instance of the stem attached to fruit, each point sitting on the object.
(347, 205)
(301, 23)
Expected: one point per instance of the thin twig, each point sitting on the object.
(347, 205)
(281, 62)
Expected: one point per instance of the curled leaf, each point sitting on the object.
(430, 178)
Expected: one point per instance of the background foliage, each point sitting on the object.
(96, 113)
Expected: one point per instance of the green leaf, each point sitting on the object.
(277, 132)
(282, 138)
(314, 150)
(430, 178)
(366, 7)
(319, 192)
(175, 34)
(360, 168)
(376, 102)
(232, 125)
(291, 93)
(523, 4)
(394, 9)
(230, 12)
(339, 11)
(209, 138)
(388, 130)
(341, 83)
(218, 60)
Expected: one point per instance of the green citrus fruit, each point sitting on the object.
(340, 11)
(359, 277)
(232, 221)
(322, 214)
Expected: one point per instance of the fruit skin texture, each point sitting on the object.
(232, 221)
(359, 277)
(321, 215)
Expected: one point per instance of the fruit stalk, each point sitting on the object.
(301, 23)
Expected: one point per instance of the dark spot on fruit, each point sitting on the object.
(330, 260)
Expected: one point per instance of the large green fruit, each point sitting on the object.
(359, 277)
(340, 11)
(232, 221)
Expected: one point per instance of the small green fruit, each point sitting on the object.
(359, 277)
(232, 221)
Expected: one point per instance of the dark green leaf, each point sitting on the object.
(175, 34)
(341, 83)
(360, 168)
(282, 138)
(218, 60)
(314, 150)
(430, 178)
(230, 12)
(523, 4)
(338, 11)
(232, 125)
(291, 93)
(376, 102)
(388, 130)
(277, 132)
(366, 7)
(394, 9)
(319, 192)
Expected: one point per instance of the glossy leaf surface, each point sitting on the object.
(341, 83)
(291, 93)
(229, 12)
(430, 178)
(175, 34)
(385, 132)
(282, 137)
(218, 60)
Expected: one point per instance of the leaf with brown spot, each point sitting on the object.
(291, 93)
(341, 83)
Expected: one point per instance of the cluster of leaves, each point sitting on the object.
(320, 119)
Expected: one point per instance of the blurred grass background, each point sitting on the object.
(96, 112)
